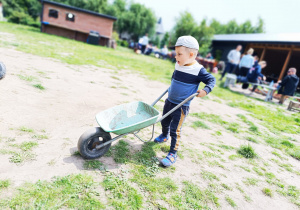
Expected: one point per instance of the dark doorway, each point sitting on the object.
(275, 61)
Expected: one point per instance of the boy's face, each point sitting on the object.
(183, 56)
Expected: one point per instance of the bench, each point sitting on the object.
(294, 104)
(269, 94)
(230, 79)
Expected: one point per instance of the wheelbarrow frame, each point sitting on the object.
(158, 120)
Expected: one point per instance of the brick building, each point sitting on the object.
(76, 23)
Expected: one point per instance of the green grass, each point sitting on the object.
(247, 151)
(39, 86)
(123, 195)
(230, 201)
(21, 157)
(193, 197)
(267, 192)
(70, 192)
(25, 129)
(200, 124)
(4, 184)
(93, 164)
(209, 176)
(251, 181)
(120, 152)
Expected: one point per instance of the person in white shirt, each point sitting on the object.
(246, 63)
(233, 60)
(144, 42)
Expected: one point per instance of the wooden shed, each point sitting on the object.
(281, 51)
(76, 23)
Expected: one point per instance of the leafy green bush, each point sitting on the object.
(22, 18)
(247, 151)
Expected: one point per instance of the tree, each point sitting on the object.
(22, 11)
(233, 28)
(137, 21)
(186, 25)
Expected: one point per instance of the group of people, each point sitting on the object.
(147, 48)
(248, 68)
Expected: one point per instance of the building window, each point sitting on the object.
(70, 17)
(53, 13)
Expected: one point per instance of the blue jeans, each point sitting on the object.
(230, 67)
(173, 123)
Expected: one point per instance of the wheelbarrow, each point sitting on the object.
(121, 120)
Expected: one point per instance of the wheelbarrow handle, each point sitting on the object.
(159, 97)
(176, 107)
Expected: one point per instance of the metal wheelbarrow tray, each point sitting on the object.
(127, 118)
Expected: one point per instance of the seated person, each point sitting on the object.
(254, 75)
(148, 49)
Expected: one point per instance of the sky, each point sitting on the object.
(280, 16)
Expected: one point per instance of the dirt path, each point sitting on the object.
(56, 117)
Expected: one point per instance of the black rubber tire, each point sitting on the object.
(88, 141)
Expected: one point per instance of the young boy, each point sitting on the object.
(185, 81)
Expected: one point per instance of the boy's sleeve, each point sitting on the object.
(208, 79)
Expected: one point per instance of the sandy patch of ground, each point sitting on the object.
(72, 97)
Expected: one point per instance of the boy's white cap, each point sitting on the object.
(187, 41)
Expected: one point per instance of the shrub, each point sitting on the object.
(247, 151)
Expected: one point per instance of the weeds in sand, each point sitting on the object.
(217, 133)
(70, 192)
(233, 127)
(6, 152)
(215, 163)
(20, 157)
(226, 187)
(4, 184)
(251, 181)
(245, 168)
(209, 176)
(230, 201)
(93, 164)
(234, 157)
(40, 137)
(247, 151)
(199, 124)
(267, 192)
(253, 128)
(247, 198)
(195, 198)
(208, 154)
(249, 138)
(237, 185)
(258, 171)
(116, 78)
(39, 86)
(25, 129)
(226, 147)
(27, 78)
(279, 155)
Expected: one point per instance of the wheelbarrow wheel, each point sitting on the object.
(90, 139)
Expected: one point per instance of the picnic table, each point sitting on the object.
(270, 89)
